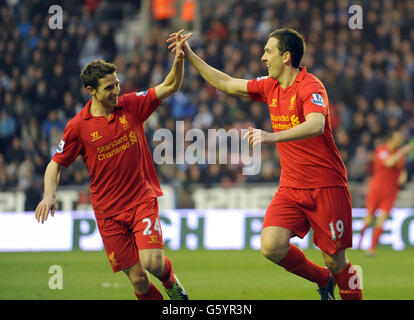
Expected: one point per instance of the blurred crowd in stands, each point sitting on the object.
(368, 73)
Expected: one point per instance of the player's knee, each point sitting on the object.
(368, 220)
(155, 268)
(331, 264)
(335, 263)
(274, 253)
(275, 243)
(153, 264)
(381, 219)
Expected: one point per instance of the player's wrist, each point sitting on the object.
(275, 137)
(189, 53)
(49, 195)
(178, 57)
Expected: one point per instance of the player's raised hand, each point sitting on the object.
(178, 43)
(257, 136)
(48, 204)
(410, 148)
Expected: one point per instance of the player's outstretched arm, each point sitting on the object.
(48, 203)
(312, 127)
(216, 78)
(393, 159)
(174, 78)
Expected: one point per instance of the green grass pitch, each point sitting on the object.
(206, 275)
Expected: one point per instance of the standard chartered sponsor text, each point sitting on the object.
(123, 144)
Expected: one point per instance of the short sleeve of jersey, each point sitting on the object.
(142, 104)
(257, 89)
(314, 97)
(69, 147)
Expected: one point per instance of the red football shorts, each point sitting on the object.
(132, 230)
(377, 199)
(327, 210)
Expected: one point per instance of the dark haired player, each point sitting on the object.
(109, 135)
(313, 190)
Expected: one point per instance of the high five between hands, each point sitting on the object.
(179, 42)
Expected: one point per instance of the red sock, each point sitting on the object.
(151, 294)
(167, 277)
(296, 262)
(375, 237)
(348, 283)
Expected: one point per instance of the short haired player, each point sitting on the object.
(313, 190)
(109, 135)
(388, 177)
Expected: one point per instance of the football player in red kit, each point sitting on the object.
(108, 133)
(388, 176)
(313, 189)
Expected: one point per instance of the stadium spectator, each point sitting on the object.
(15, 152)
(51, 122)
(8, 125)
(164, 10)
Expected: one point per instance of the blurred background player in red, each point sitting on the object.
(109, 135)
(313, 189)
(388, 177)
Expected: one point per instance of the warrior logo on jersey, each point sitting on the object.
(317, 99)
(95, 136)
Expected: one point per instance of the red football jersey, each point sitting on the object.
(308, 163)
(116, 153)
(385, 178)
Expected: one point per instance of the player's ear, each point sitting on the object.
(286, 57)
(91, 90)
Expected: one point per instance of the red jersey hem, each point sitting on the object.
(314, 109)
(111, 213)
(59, 162)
